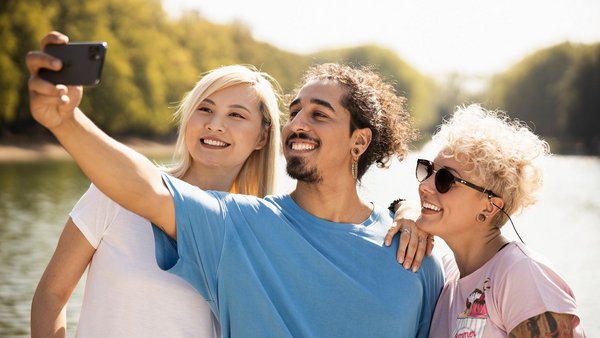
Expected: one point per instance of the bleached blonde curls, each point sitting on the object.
(501, 152)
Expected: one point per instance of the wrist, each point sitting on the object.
(396, 204)
(71, 123)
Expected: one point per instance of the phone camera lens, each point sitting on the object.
(94, 53)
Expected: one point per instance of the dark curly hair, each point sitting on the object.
(374, 104)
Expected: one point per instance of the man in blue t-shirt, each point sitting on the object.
(311, 263)
(308, 264)
(270, 269)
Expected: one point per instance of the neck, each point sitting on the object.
(334, 202)
(219, 179)
(472, 250)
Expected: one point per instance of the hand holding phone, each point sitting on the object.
(81, 63)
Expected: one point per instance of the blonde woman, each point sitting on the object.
(228, 140)
(485, 171)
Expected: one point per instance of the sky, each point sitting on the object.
(475, 38)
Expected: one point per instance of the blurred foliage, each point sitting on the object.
(153, 59)
(555, 91)
(419, 89)
(580, 101)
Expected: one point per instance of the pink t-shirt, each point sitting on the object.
(511, 287)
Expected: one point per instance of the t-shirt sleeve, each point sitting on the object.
(196, 253)
(530, 288)
(432, 278)
(93, 214)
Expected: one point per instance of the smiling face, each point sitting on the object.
(317, 138)
(454, 213)
(225, 129)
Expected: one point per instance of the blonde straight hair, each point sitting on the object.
(257, 175)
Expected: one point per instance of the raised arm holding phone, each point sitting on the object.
(56, 108)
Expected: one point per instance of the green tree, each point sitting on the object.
(581, 101)
(146, 70)
(530, 90)
(419, 89)
(451, 95)
(152, 60)
(22, 23)
(209, 45)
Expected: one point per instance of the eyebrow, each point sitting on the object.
(314, 101)
(239, 106)
(209, 101)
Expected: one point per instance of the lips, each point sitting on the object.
(430, 206)
(302, 146)
(214, 142)
(301, 142)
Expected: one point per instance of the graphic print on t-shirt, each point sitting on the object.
(471, 322)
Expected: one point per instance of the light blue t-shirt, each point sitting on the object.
(268, 268)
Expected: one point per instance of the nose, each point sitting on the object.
(215, 124)
(428, 185)
(299, 122)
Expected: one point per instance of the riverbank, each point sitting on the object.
(18, 150)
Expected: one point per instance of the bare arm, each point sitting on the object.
(48, 308)
(124, 175)
(547, 324)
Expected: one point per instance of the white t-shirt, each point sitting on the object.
(126, 293)
(513, 286)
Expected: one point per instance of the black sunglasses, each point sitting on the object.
(444, 178)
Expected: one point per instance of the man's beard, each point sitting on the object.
(297, 169)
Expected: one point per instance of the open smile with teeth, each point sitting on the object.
(431, 206)
(302, 146)
(213, 142)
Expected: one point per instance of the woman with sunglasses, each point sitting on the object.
(484, 172)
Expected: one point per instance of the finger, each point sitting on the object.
(403, 244)
(411, 250)
(36, 60)
(430, 245)
(389, 236)
(408, 242)
(40, 86)
(422, 244)
(48, 101)
(54, 38)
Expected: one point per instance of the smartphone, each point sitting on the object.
(82, 63)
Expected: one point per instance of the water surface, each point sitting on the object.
(35, 199)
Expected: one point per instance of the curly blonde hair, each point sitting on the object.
(374, 104)
(499, 151)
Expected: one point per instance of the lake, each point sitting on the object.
(36, 197)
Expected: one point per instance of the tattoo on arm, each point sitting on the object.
(547, 324)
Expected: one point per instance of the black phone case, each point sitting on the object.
(82, 63)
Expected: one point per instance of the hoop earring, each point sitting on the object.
(481, 218)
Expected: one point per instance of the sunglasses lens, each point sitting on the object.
(423, 170)
(443, 180)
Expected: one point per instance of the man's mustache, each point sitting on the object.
(301, 135)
